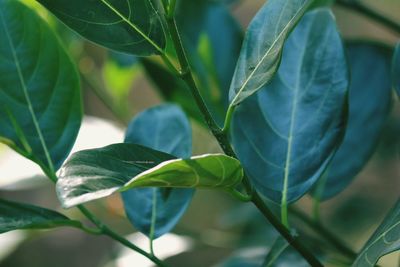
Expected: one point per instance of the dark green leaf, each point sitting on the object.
(131, 26)
(40, 102)
(276, 251)
(385, 240)
(14, 216)
(262, 47)
(396, 69)
(97, 173)
(287, 134)
(155, 211)
(369, 107)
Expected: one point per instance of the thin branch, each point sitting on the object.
(371, 13)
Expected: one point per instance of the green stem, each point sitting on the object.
(171, 8)
(371, 13)
(228, 119)
(104, 229)
(222, 138)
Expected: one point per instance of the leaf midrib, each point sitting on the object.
(137, 29)
(26, 94)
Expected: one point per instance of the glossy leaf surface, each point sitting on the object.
(287, 134)
(15, 216)
(40, 102)
(385, 240)
(369, 107)
(155, 211)
(396, 69)
(96, 173)
(263, 44)
(132, 26)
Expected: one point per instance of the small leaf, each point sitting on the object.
(385, 240)
(263, 44)
(278, 247)
(96, 173)
(369, 107)
(287, 134)
(396, 69)
(40, 102)
(14, 216)
(155, 211)
(131, 26)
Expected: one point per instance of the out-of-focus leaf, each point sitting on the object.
(155, 211)
(276, 251)
(172, 88)
(213, 39)
(385, 240)
(287, 134)
(96, 173)
(40, 102)
(396, 69)
(132, 26)
(14, 216)
(263, 44)
(369, 106)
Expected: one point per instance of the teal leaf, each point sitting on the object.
(385, 240)
(15, 216)
(263, 44)
(40, 102)
(287, 134)
(155, 211)
(369, 107)
(396, 69)
(278, 247)
(131, 26)
(95, 173)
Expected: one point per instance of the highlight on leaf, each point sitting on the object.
(96, 173)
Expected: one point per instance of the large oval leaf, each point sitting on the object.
(40, 103)
(15, 216)
(96, 173)
(131, 26)
(287, 134)
(369, 106)
(263, 44)
(396, 69)
(155, 211)
(385, 240)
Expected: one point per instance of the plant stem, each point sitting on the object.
(222, 138)
(104, 229)
(371, 13)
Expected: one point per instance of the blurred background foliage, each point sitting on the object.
(215, 227)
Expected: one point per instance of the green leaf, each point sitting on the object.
(14, 216)
(385, 240)
(97, 173)
(396, 69)
(131, 26)
(155, 211)
(40, 102)
(263, 44)
(287, 134)
(369, 107)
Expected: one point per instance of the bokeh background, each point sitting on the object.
(215, 227)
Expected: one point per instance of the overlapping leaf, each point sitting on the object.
(14, 216)
(369, 106)
(155, 211)
(40, 103)
(96, 173)
(385, 240)
(131, 26)
(263, 44)
(287, 134)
